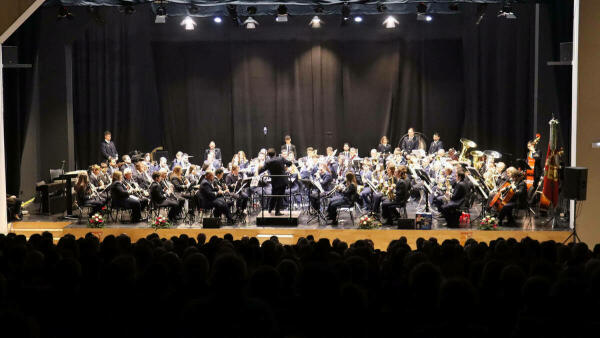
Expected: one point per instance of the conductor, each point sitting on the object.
(276, 166)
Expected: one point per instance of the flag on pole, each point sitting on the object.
(550, 190)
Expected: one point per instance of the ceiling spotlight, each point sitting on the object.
(381, 8)
(390, 22)
(424, 17)
(315, 22)
(189, 23)
(282, 15)
(507, 13)
(358, 18)
(64, 13)
(193, 9)
(217, 19)
(250, 23)
(161, 14)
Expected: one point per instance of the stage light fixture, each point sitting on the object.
(345, 13)
(390, 22)
(315, 22)
(358, 19)
(217, 19)
(507, 13)
(381, 7)
(161, 14)
(250, 23)
(282, 15)
(232, 10)
(193, 9)
(422, 13)
(188, 23)
(481, 8)
(64, 13)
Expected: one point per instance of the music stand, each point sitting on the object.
(426, 183)
(477, 180)
(316, 214)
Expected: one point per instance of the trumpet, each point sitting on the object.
(94, 190)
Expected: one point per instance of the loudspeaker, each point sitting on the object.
(211, 222)
(575, 185)
(10, 55)
(406, 223)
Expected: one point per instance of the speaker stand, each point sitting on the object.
(573, 236)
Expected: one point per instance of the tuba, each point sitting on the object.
(477, 159)
(466, 145)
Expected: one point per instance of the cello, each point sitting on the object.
(503, 196)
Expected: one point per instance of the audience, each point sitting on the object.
(221, 287)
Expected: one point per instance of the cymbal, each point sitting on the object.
(492, 153)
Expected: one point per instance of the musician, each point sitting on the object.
(387, 181)
(94, 177)
(151, 166)
(388, 206)
(163, 165)
(537, 167)
(242, 197)
(347, 197)
(181, 189)
(107, 147)
(178, 161)
(213, 197)
(121, 198)
(276, 166)
(127, 163)
(141, 176)
(112, 166)
(160, 199)
(242, 160)
(519, 199)
(105, 177)
(445, 181)
(436, 144)
(325, 179)
(192, 175)
(384, 146)
(86, 194)
(134, 188)
(212, 149)
(288, 146)
(410, 142)
(346, 152)
(366, 175)
(450, 209)
(213, 163)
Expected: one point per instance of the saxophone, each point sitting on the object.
(391, 190)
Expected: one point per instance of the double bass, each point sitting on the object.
(530, 172)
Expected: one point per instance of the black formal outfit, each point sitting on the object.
(346, 198)
(120, 198)
(276, 166)
(435, 146)
(217, 154)
(108, 150)
(212, 199)
(519, 200)
(450, 209)
(160, 199)
(408, 144)
(144, 201)
(242, 197)
(388, 207)
(325, 181)
(85, 197)
(181, 191)
(143, 179)
(384, 148)
(290, 148)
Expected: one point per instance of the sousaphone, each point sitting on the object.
(466, 145)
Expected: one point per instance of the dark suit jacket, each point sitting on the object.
(409, 145)
(349, 193)
(108, 150)
(208, 192)
(326, 180)
(217, 154)
(460, 192)
(292, 148)
(118, 193)
(156, 193)
(231, 181)
(384, 148)
(276, 166)
(95, 180)
(435, 146)
(401, 192)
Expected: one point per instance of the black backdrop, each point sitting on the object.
(159, 85)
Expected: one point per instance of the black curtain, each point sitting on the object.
(157, 85)
(18, 91)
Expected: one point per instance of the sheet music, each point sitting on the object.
(318, 185)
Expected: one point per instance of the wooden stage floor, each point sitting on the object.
(380, 237)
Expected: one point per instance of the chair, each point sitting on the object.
(203, 208)
(349, 209)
